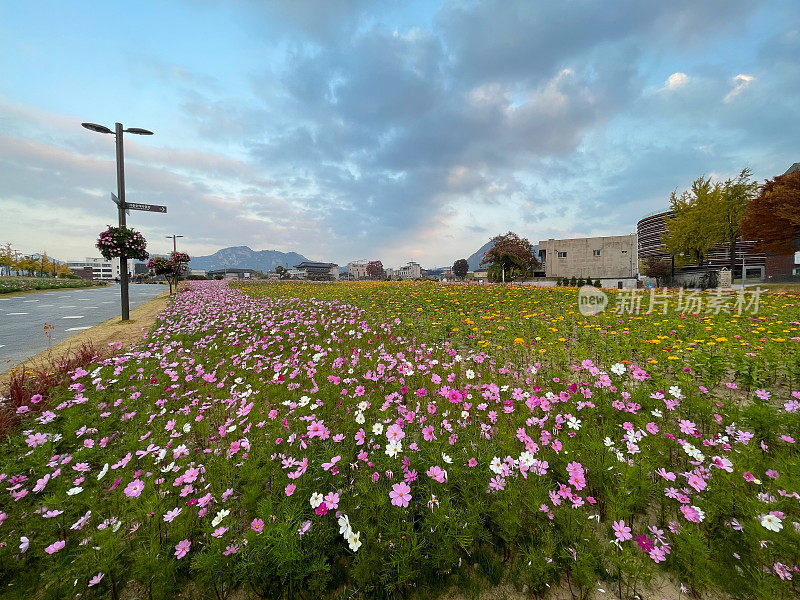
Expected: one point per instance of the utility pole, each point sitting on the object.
(174, 241)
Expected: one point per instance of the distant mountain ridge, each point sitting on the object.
(243, 257)
(474, 261)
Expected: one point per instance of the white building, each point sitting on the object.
(102, 268)
(357, 269)
(411, 271)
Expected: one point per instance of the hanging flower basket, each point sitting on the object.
(122, 242)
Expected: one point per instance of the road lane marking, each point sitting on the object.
(78, 328)
(17, 313)
(91, 307)
(30, 300)
(73, 317)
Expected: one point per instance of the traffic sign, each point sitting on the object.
(147, 207)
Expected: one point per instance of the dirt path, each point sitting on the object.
(114, 330)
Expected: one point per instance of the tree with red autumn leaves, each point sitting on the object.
(512, 255)
(773, 217)
(375, 270)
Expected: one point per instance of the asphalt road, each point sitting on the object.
(22, 318)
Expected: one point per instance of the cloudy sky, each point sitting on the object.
(393, 130)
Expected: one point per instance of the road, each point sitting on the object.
(22, 318)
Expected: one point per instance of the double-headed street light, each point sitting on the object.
(174, 239)
(118, 131)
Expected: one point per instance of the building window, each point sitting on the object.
(624, 251)
(562, 255)
(596, 252)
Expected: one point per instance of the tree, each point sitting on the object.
(281, 271)
(689, 235)
(709, 214)
(658, 268)
(375, 270)
(171, 268)
(510, 255)
(727, 213)
(6, 259)
(773, 218)
(460, 268)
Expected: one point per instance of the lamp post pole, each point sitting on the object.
(123, 266)
(121, 206)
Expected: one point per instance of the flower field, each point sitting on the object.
(383, 439)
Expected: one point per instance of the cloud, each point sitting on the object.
(740, 83)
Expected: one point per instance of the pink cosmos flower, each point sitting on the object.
(437, 473)
(698, 483)
(55, 547)
(170, 516)
(257, 525)
(332, 500)
(182, 548)
(622, 531)
(96, 579)
(400, 494)
(290, 488)
(134, 488)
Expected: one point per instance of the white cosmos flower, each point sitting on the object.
(574, 423)
(316, 499)
(526, 459)
(377, 429)
(103, 472)
(354, 541)
(23, 544)
(360, 418)
(393, 448)
(363, 405)
(657, 413)
(344, 526)
(304, 401)
(187, 428)
(675, 392)
(220, 515)
(74, 491)
(470, 374)
(447, 459)
(496, 466)
(608, 442)
(771, 522)
(618, 368)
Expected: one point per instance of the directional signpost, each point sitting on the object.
(126, 207)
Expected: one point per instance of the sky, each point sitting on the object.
(397, 131)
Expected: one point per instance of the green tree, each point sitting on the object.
(6, 259)
(281, 271)
(690, 233)
(728, 212)
(460, 268)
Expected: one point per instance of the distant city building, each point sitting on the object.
(391, 273)
(357, 269)
(230, 274)
(102, 269)
(318, 271)
(198, 272)
(611, 259)
(411, 271)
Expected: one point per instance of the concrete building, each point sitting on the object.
(318, 271)
(411, 271)
(391, 273)
(611, 259)
(231, 274)
(102, 269)
(357, 269)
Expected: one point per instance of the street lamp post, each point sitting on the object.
(123, 267)
(174, 241)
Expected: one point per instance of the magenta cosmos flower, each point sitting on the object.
(400, 494)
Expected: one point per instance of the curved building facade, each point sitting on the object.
(650, 229)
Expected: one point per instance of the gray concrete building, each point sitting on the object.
(610, 259)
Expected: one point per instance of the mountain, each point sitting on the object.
(242, 257)
(475, 260)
